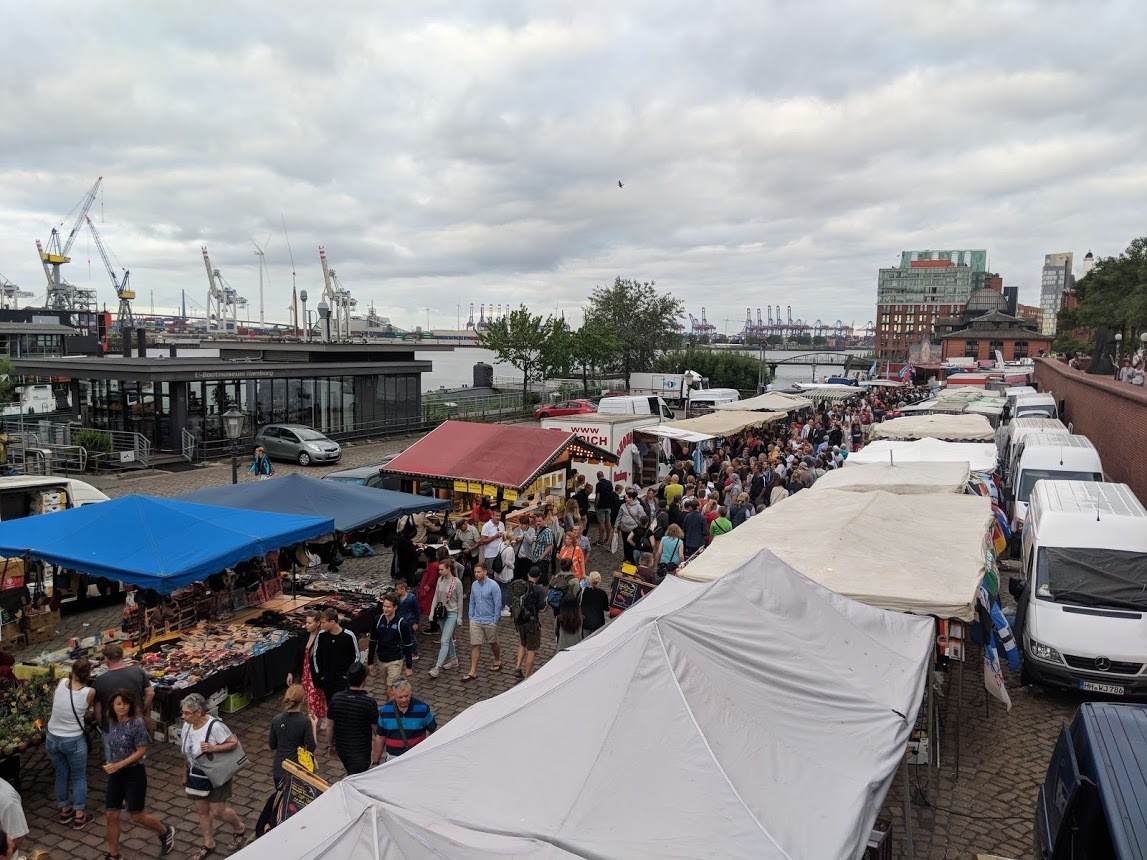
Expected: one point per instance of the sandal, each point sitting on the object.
(497, 667)
(468, 678)
(237, 842)
(203, 853)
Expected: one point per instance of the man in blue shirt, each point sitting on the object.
(485, 610)
(694, 528)
(403, 722)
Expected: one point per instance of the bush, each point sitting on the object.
(724, 368)
(93, 441)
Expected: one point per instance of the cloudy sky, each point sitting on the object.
(449, 153)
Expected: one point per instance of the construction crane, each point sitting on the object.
(123, 291)
(62, 295)
(339, 299)
(223, 300)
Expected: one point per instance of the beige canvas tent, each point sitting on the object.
(770, 401)
(950, 428)
(904, 479)
(712, 425)
(980, 456)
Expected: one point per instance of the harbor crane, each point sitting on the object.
(339, 299)
(10, 294)
(124, 292)
(61, 295)
(223, 300)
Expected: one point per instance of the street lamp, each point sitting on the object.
(324, 322)
(306, 317)
(233, 421)
(1118, 343)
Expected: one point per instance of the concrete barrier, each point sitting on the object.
(1113, 415)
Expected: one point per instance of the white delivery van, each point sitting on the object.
(1017, 428)
(1081, 612)
(1049, 457)
(634, 404)
(1035, 406)
(614, 433)
(702, 400)
(25, 496)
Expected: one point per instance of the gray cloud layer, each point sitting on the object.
(773, 152)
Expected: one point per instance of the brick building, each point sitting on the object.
(982, 336)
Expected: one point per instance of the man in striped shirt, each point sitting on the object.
(403, 722)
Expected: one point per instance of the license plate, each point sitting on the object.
(1093, 687)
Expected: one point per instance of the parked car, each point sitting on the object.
(565, 407)
(297, 442)
(368, 476)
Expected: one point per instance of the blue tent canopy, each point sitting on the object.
(154, 543)
(353, 507)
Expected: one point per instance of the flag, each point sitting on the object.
(905, 371)
(872, 371)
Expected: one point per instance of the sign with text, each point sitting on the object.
(300, 789)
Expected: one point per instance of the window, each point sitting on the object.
(971, 349)
(1021, 349)
(995, 346)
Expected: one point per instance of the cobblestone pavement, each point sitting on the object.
(988, 808)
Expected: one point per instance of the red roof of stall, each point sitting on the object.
(506, 455)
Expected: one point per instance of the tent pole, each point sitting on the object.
(908, 847)
(959, 713)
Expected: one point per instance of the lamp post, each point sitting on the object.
(233, 421)
(306, 318)
(1118, 343)
(324, 322)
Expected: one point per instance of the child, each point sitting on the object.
(408, 608)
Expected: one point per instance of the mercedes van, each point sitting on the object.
(635, 404)
(1035, 406)
(1050, 456)
(703, 400)
(1018, 428)
(1081, 612)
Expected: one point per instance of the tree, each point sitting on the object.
(1113, 295)
(724, 368)
(527, 342)
(591, 347)
(7, 384)
(640, 320)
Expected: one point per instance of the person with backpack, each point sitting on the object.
(562, 584)
(526, 601)
(261, 466)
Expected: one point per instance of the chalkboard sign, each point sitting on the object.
(626, 591)
(300, 788)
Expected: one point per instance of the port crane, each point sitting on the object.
(124, 292)
(223, 300)
(61, 295)
(10, 294)
(339, 299)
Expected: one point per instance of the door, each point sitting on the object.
(271, 441)
(289, 444)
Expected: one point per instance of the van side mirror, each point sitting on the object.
(1016, 587)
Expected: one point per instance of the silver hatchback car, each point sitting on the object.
(297, 442)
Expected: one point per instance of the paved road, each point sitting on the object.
(988, 808)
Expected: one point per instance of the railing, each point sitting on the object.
(187, 442)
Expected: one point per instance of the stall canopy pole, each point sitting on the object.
(909, 851)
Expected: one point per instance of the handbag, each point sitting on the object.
(220, 767)
(84, 727)
(440, 608)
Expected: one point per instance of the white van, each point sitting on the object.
(1082, 604)
(634, 404)
(1050, 457)
(1017, 428)
(22, 496)
(702, 400)
(1035, 406)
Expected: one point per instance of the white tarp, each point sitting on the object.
(980, 456)
(921, 554)
(951, 428)
(757, 717)
(711, 425)
(905, 478)
(770, 401)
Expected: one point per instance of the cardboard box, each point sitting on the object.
(38, 637)
(41, 620)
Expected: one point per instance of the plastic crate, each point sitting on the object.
(234, 703)
(880, 841)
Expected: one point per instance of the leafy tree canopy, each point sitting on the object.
(724, 368)
(1113, 295)
(526, 341)
(641, 321)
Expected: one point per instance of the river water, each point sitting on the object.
(456, 368)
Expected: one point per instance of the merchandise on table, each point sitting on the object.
(206, 649)
(25, 706)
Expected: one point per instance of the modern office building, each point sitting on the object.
(926, 287)
(1056, 279)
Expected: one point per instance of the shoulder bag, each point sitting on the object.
(220, 767)
(84, 727)
(440, 609)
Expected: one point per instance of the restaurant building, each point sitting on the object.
(177, 399)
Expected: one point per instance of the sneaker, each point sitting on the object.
(505, 612)
(167, 841)
(450, 664)
(433, 673)
(82, 820)
(66, 815)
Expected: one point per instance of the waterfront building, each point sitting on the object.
(1055, 280)
(985, 334)
(924, 288)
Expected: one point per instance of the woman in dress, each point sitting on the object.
(202, 733)
(290, 730)
(67, 746)
(127, 740)
(573, 552)
(316, 701)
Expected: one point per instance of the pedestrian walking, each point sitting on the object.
(290, 731)
(205, 735)
(695, 529)
(403, 723)
(336, 649)
(261, 466)
(409, 610)
(594, 604)
(316, 701)
(447, 594)
(569, 621)
(67, 745)
(127, 777)
(392, 642)
(526, 602)
(353, 714)
(120, 675)
(485, 610)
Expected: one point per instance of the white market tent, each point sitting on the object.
(980, 456)
(711, 425)
(950, 428)
(770, 401)
(877, 548)
(904, 478)
(697, 725)
(828, 390)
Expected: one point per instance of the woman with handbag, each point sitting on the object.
(447, 605)
(213, 756)
(67, 745)
(127, 740)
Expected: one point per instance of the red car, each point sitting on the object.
(564, 407)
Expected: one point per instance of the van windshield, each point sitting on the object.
(1111, 578)
(1035, 411)
(1028, 477)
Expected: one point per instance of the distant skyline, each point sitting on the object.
(771, 153)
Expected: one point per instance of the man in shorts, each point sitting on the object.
(485, 610)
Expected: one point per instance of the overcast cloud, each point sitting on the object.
(455, 152)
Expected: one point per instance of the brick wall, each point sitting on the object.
(1113, 415)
